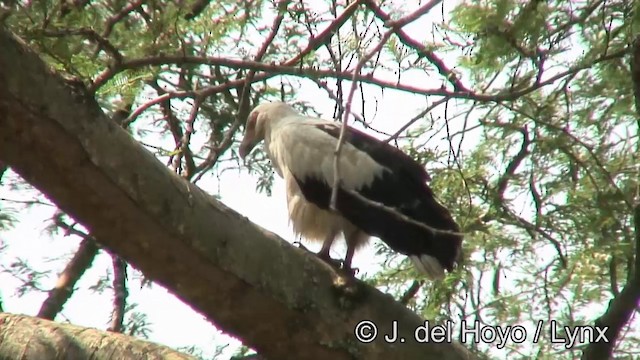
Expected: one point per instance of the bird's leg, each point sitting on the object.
(354, 238)
(346, 265)
(326, 247)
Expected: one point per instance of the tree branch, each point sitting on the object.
(265, 71)
(244, 103)
(91, 35)
(421, 49)
(68, 278)
(411, 292)
(621, 308)
(25, 337)
(354, 83)
(278, 299)
(635, 74)
(120, 293)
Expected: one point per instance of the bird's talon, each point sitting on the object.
(334, 263)
(300, 246)
(351, 271)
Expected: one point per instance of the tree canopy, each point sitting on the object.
(525, 113)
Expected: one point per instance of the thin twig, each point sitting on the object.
(422, 50)
(113, 20)
(343, 129)
(513, 165)
(185, 142)
(400, 216)
(243, 103)
(416, 118)
(354, 83)
(102, 42)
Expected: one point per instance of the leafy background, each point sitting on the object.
(523, 112)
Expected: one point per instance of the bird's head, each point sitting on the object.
(260, 121)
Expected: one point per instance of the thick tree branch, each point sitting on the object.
(279, 300)
(3, 169)
(25, 337)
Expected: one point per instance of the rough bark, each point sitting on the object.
(25, 337)
(278, 299)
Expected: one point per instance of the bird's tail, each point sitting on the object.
(445, 242)
(445, 255)
(428, 265)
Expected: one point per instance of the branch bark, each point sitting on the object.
(280, 300)
(25, 337)
(67, 280)
(120, 294)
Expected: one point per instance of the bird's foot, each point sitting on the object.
(349, 270)
(299, 244)
(334, 263)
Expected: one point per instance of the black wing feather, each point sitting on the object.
(383, 153)
(404, 189)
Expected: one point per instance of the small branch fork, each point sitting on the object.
(354, 84)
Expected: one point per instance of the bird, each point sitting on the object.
(382, 192)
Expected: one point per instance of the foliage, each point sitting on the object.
(533, 145)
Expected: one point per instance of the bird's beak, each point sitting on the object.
(245, 147)
(249, 140)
